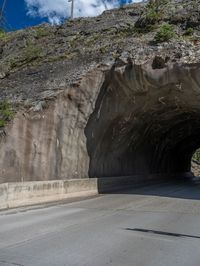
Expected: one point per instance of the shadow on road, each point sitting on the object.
(172, 189)
(161, 233)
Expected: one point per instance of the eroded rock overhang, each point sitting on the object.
(119, 120)
(146, 120)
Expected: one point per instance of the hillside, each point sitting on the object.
(64, 53)
(116, 94)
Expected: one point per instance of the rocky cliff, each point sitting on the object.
(107, 96)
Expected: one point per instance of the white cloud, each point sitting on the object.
(54, 10)
(57, 10)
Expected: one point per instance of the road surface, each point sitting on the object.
(157, 225)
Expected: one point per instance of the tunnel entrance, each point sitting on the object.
(146, 121)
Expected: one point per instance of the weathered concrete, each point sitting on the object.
(29, 193)
(110, 184)
(19, 194)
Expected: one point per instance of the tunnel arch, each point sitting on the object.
(146, 121)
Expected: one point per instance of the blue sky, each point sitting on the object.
(24, 13)
(16, 15)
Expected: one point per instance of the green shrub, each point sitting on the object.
(196, 156)
(165, 33)
(145, 28)
(6, 113)
(2, 34)
(152, 16)
(189, 31)
(149, 19)
(104, 49)
(41, 32)
(32, 52)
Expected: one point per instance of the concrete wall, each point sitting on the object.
(110, 184)
(29, 193)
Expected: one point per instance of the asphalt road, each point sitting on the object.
(149, 226)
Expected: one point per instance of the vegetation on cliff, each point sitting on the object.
(196, 156)
(6, 113)
(114, 31)
(166, 28)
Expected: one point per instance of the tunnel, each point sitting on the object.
(146, 120)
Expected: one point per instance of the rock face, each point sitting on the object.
(101, 101)
(145, 121)
(195, 168)
(50, 144)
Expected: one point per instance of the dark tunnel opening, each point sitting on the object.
(145, 122)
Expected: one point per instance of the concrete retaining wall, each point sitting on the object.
(29, 193)
(109, 184)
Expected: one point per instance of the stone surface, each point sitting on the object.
(101, 101)
(51, 144)
(145, 121)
